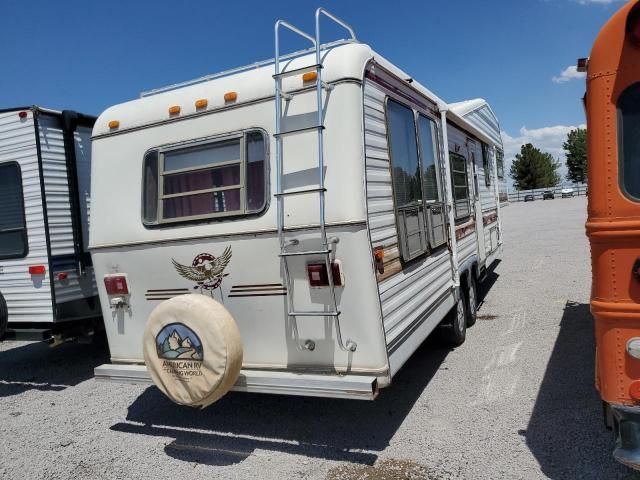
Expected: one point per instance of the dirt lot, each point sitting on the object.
(515, 401)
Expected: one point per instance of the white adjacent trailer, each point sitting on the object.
(330, 209)
(47, 286)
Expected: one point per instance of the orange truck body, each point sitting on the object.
(613, 228)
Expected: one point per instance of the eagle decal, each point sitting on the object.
(206, 270)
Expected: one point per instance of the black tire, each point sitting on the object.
(454, 328)
(471, 297)
(4, 316)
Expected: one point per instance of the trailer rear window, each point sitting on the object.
(205, 180)
(13, 228)
(629, 140)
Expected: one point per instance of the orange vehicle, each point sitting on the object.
(613, 227)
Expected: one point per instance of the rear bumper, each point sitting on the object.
(263, 381)
(627, 430)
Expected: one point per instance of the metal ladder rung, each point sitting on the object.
(308, 252)
(296, 71)
(300, 192)
(299, 130)
(314, 314)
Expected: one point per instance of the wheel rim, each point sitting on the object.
(460, 315)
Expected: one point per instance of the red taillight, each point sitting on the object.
(318, 277)
(22, 114)
(37, 270)
(633, 25)
(62, 276)
(116, 284)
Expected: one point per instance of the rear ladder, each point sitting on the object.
(327, 249)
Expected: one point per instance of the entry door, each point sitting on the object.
(476, 155)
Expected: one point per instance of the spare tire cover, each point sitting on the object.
(192, 349)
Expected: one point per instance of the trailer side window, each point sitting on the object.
(429, 154)
(13, 228)
(462, 207)
(407, 182)
(486, 164)
(500, 163)
(629, 140)
(206, 180)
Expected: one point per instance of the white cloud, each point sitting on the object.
(547, 139)
(568, 74)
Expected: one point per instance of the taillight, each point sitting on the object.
(37, 269)
(633, 25)
(318, 277)
(116, 284)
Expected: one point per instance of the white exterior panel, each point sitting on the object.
(28, 297)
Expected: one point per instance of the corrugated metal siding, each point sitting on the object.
(56, 186)
(484, 120)
(56, 182)
(28, 298)
(406, 295)
(467, 247)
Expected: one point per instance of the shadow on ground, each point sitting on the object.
(36, 366)
(335, 429)
(566, 432)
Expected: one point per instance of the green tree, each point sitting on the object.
(533, 168)
(576, 151)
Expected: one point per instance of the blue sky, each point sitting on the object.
(88, 55)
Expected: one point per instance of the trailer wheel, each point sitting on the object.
(472, 301)
(455, 325)
(4, 316)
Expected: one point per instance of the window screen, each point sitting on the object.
(13, 229)
(221, 178)
(462, 207)
(629, 140)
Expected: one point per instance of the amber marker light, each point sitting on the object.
(202, 103)
(230, 97)
(114, 124)
(309, 77)
(174, 110)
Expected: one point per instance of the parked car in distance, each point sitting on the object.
(529, 197)
(548, 194)
(567, 192)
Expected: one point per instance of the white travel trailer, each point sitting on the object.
(249, 186)
(47, 287)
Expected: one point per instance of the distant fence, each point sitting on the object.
(518, 195)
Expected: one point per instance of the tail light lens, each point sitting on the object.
(116, 284)
(633, 25)
(37, 270)
(318, 277)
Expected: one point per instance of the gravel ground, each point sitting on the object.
(515, 401)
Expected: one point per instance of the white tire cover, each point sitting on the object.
(192, 349)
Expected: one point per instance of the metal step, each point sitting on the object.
(299, 130)
(300, 192)
(307, 252)
(314, 314)
(296, 71)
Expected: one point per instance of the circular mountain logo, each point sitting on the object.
(176, 341)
